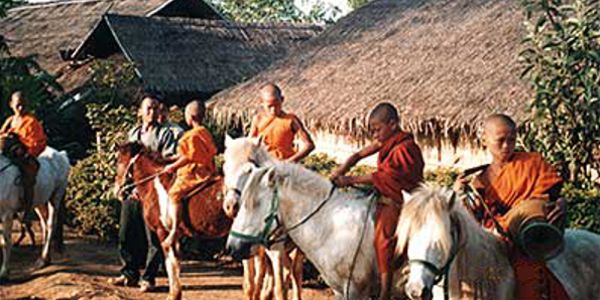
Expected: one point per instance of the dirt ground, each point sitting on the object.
(83, 270)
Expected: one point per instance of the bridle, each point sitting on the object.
(444, 271)
(236, 190)
(270, 235)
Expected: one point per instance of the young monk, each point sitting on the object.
(278, 128)
(194, 164)
(511, 178)
(399, 168)
(24, 140)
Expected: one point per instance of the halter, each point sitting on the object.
(444, 271)
(266, 237)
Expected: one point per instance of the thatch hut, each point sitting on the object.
(444, 64)
(183, 58)
(52, 31)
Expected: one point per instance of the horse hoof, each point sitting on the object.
(4, 278)
(174, 297)
(41, 263)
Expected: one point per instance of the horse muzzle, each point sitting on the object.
(418, 292)
(238, 248)
(231, 204)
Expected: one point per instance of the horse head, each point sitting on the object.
(127, 153)
(241, 156)
(256, 219)
(427, 233)
(133, 162)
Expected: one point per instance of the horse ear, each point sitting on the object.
(257, 140)
(452, 200)
(406, 196)
(272, 177)
(228, 140)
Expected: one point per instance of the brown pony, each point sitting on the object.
(203, 213)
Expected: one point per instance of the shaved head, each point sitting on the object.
(271, 90)
(18, 95)
(500, 136)
(194, 111)
(498, 120)
(384, 112)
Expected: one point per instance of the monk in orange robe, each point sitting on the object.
(194, 164)
(23, 140)
(399, 168)
(511, 178)
(278, 129)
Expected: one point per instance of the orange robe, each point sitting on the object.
(30, 133)
(278, 135)
(399, 168)
(526, 176)
(198, 147)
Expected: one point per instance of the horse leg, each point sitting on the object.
(173, 272)
(22, 235)
(43, 223)
(7, 223)
(30, 233)
(260, 264)
(50, 221)
(277, 262)
(43, 214)
(297, 273)
(266, 292)
(248, 283)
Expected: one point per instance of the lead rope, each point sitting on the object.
(362, 236)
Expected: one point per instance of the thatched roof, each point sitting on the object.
(191, 56)
(445, 64)
(47, 29)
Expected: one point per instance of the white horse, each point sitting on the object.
(51, 183)
(241, 156)
(334, 229)
(439, 233)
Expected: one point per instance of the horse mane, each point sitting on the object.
(304, 179)
(432, 203)
(289, 174)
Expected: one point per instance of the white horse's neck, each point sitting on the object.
(481, 265)
(330, 237)
(301, 191)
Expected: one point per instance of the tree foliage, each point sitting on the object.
(262, 11)
(562, 62)
(5, 5)
(110, 114)
(357, 3)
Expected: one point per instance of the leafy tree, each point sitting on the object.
(562, 62)
(262, 11)
(24, 74)
(5, 5)
(357, 3)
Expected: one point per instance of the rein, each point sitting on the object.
(128, 174)
(6, 167)
(265, 237)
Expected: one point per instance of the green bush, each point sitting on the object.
(583, 208)
(91, 205)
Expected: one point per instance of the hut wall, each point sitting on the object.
(467, 156)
